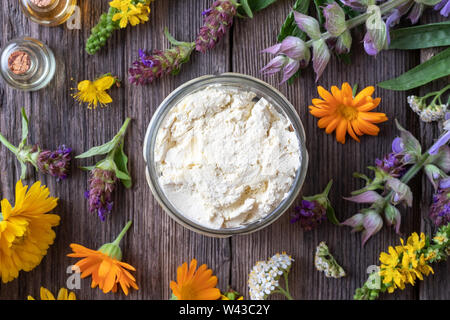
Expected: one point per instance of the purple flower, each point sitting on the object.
(310, 214)
(218, 19)
(444, 7)
(150, 67)
(355, 5)
(440, 209)
(55, 163)
(101, 186)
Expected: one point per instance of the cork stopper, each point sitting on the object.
(19, 62)
(41, 3)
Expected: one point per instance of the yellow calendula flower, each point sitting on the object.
(26, 229)
(63, 294)
(94, 92)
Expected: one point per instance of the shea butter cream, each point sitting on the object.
(226, 158)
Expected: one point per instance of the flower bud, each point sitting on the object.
(434, 174)
(402, 192)
(275, 65)
(355, 221)
(416, 12)
(372, 223)
(375, 39)
(343, 43)
(393, 216)
(334, 19)
(295, 48)
(308, 24)
(365, 197)
(321, 57)
(290, 69)
(444, 7)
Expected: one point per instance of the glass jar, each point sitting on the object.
(48, 12)
(236, 81)
(35, 65)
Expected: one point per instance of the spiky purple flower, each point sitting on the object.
(158, 63)
(310, 214)
(440, 209)
(218, 19)
(101, 186)
(55, 163)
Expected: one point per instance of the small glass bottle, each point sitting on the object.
(48, 12)
(27, 64)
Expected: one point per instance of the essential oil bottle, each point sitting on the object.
(27, 64)
(48, 12)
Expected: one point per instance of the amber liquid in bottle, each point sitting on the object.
(48, 12)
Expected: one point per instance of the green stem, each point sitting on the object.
(7, 144)
(285, 292)
(358, 20)
(122, 233)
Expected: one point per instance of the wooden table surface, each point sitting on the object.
(156, 244)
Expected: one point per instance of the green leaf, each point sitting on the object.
(109, 146)
(289, 27)
(247, 8)
(99, 150)
(435, 68)
(24, 129)
(121, 161)
(331, 215)
(419, 37)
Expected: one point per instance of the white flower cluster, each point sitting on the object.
(325, 262)
(429, 113)
(263, 279)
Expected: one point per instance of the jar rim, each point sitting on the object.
(279, 101)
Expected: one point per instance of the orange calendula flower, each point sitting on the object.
(104, 265)
(343, 112)
(195, 284)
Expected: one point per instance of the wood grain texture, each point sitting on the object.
(156, 244)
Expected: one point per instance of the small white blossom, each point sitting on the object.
(263, 278)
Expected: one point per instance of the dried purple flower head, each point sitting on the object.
(440, 209)
(55, 163)
(309, 214)
(101, 186)
(444, 7)
(218, 19)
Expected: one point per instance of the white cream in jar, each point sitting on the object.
(226, 158)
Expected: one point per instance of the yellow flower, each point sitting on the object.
(389, 269)
(63, 294)
(195, 284)
(128, 12)
(94, 93)
(26, 230)
(342, 112)
(144, 12)
(415, 242)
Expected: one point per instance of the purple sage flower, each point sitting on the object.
(55, 163)
(101, 186)
(218, 19)
(394, 163)
(440, 209)
(309, 214)
(444, 7)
